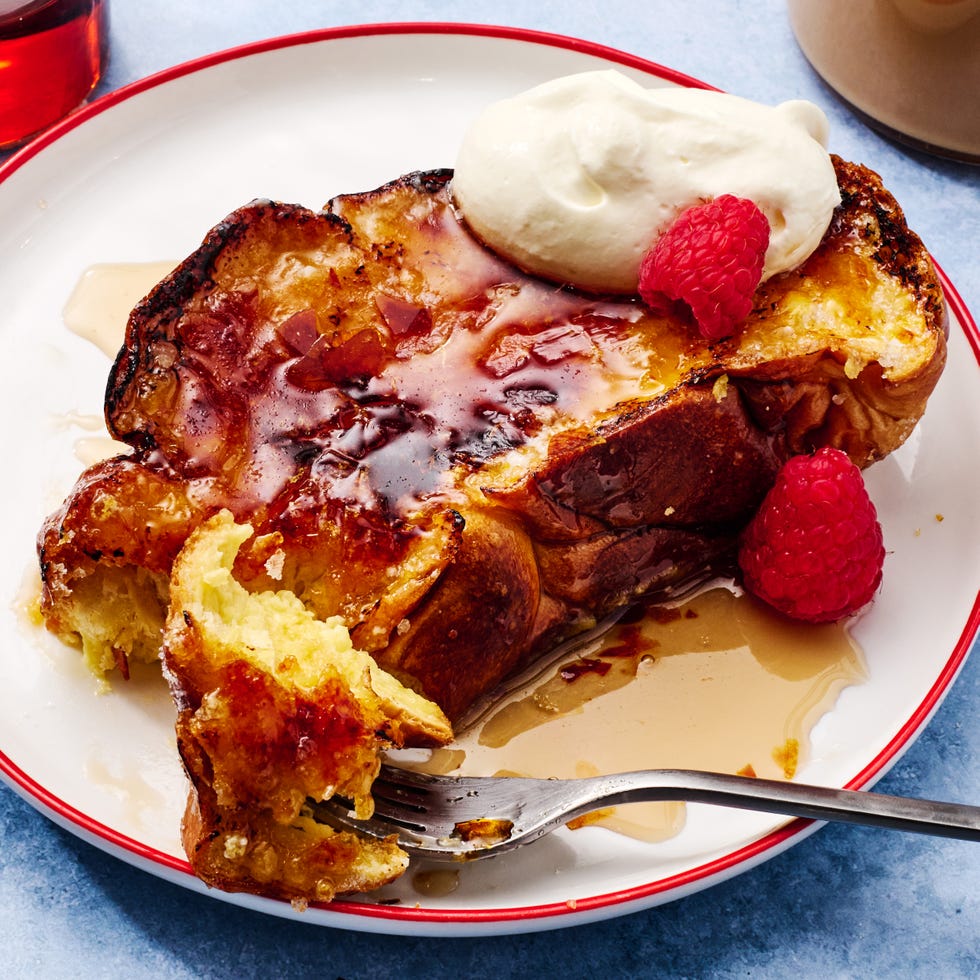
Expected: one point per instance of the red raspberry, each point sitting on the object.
(814, 549)
(707, 264)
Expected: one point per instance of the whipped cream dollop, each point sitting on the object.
(575, 179)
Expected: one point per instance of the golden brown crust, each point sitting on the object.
(466, 464)
(870, 211)
(277, 711)
(300, 861)
(873, 270)
(106, 556)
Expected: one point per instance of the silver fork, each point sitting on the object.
(468, 817)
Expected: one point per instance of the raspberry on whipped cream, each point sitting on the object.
(707, 264)
(574, 179)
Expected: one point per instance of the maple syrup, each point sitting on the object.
(436, 882)
(52, 54)
(718, 682)
(99, 305)
(371, 416)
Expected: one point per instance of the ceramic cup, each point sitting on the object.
(911, 68)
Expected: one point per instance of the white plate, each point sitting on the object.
(140, 176)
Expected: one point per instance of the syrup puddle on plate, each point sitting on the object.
(436, 882)
(99, 306)
(716, 682)
(98, 310)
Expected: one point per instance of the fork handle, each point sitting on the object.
(791, 799)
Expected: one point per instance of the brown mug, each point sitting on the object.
(910, 68)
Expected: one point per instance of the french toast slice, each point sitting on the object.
(462, 462)
(275, 710)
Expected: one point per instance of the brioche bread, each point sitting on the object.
(275, 708)
(361, 423)
(464, 463)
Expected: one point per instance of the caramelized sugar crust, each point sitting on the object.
(275, 709)
(465, 463)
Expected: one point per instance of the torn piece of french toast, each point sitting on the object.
(276, 709)
(467, 464)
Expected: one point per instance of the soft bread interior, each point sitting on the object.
(276, 709)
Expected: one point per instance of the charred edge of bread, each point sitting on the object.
(900, 252)
(165, 301)
(164, 304)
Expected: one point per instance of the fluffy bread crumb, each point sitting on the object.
(277, 707)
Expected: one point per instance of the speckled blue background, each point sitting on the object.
(846, 902)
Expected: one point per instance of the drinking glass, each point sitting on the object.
(52, 54)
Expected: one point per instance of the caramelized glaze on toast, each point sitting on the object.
(456, 462)
(463, 462)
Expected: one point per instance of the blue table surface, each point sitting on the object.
(845, 902)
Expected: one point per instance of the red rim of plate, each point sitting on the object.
(690, 880)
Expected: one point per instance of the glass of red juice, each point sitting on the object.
(52, 54)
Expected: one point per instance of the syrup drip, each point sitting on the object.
(99, 305)
(716, 683)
